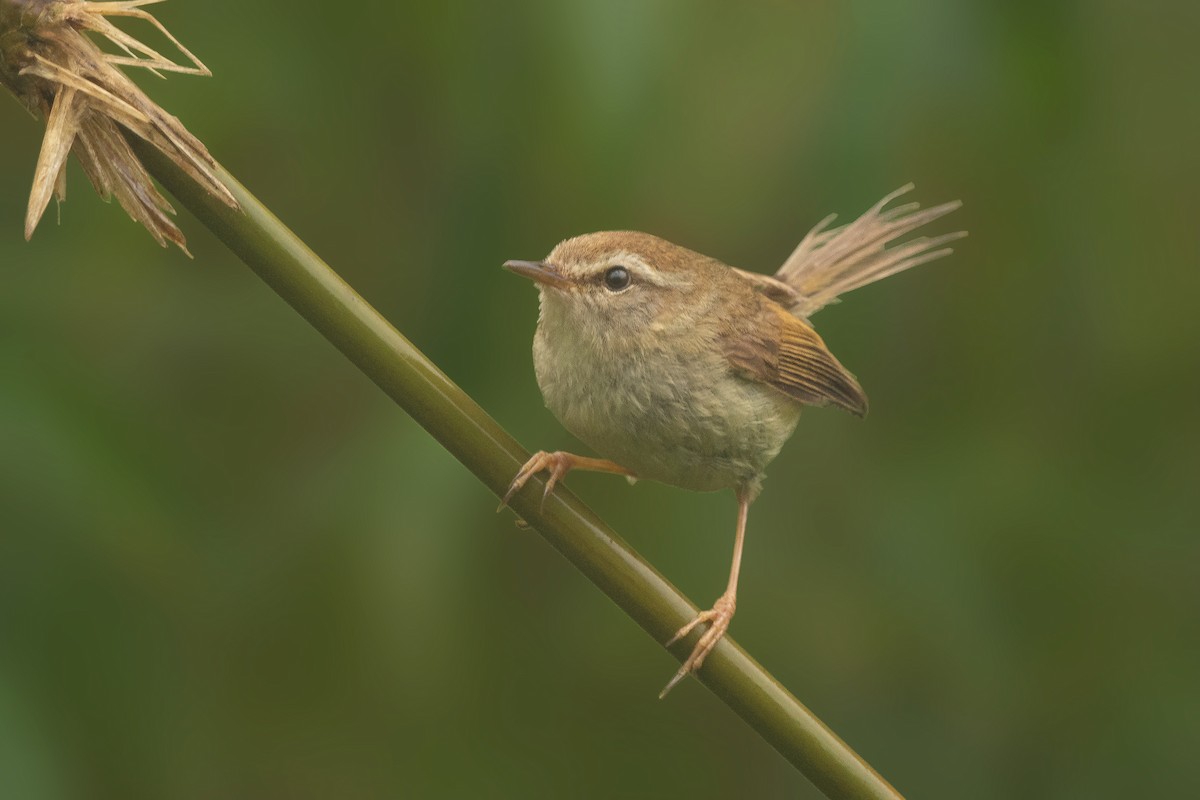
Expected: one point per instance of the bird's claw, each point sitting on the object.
(559, 464)
(718, 618)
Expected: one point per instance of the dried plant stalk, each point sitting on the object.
(49, 62)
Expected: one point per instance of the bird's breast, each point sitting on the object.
(670, 411)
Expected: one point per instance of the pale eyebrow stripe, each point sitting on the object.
(640, 269)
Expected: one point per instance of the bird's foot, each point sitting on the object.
(559, 463)
(718, 618)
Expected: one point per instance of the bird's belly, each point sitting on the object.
(702, 428)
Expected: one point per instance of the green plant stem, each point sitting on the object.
(302, 279)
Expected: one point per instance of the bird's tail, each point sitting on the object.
(828, 263)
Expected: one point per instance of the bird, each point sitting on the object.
(678, 368)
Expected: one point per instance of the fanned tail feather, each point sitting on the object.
(828, 263)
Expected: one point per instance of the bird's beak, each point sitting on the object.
(539, 272)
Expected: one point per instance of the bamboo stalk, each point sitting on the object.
(331, 306)
(41, 42)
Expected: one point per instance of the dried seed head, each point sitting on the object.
(58, 72)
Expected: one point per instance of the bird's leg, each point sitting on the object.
(559, 463)
(719, 616)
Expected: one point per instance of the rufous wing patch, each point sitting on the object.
(783, 351)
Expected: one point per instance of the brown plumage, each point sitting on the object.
(681, 369)
(780, 350)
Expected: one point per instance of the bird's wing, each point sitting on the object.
(775, 348)
(770, 287)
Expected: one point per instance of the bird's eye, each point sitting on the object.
(616, 279)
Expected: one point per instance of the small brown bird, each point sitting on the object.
(684, 370)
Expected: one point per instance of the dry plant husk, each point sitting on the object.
(52, 65)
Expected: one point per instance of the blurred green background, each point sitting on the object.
(230, 567)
